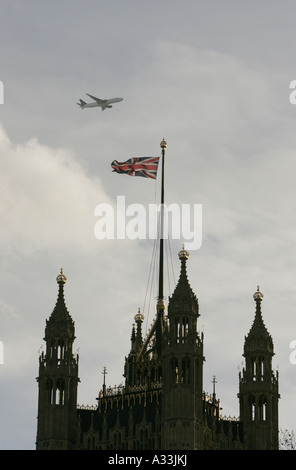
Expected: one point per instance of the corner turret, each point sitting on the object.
(258, 386)
(58, 380)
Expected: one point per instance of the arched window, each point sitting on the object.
(252, 405)
(51, 349)
(254, 368)
(185, 327)
(261, 367)
(262, 408)
(61, 351)
(175, 371)
(181, 329)
(185, 370)
(177, 329)
(50, 392)
(60, 392)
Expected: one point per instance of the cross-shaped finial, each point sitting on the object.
(214, 381)
(104, 373)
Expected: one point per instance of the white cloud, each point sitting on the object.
(47, 198)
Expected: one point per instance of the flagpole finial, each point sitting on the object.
(163, 144)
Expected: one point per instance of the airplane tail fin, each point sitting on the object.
(81, 103)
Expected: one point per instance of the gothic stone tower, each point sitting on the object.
(258, 387)
(58, 380)
(182, 411)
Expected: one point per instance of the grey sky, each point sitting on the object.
(213, 79)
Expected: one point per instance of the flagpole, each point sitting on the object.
(160, 303)
(163, 145)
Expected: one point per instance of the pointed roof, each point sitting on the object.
(258, 339)
(60, 320)
(139, 318)
(133, 335)
(136, 336)
(183, 293)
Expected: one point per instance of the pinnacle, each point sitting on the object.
(258, 338)
(183, 291)
(60, 315)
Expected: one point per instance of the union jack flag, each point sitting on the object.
(137, 166)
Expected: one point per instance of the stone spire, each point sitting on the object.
(60, 320)
(258, 386)
(58, 380)
(183, 292)
(258, 338)
(139, 318)
(136, 336)
(182, 368)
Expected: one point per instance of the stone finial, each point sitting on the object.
(183, 254)
(61, 277)
(258, 295)
(139, 316)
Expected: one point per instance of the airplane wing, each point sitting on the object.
(96, 99)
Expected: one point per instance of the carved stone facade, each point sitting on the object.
(162, 405)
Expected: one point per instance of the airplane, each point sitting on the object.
(97, 102)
